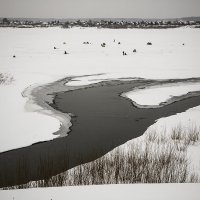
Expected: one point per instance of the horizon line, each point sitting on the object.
(100, 17)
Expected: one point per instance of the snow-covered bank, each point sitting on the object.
(186, 120)
(21, 125)
(108, 192)
(37, 62)
(156, 95)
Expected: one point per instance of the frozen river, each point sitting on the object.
(102, 121)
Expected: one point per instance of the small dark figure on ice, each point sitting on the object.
(149, 43)
(134, 50)
(124, 53)
(103, 44)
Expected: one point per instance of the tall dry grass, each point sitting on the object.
(152, 158)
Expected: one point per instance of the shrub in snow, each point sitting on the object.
(6, 79)
(186, 136)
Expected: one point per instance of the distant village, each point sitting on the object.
(112, 24)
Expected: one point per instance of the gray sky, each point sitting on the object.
(99, 8)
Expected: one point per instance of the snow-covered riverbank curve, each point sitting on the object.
(158, 95)
(37, 62)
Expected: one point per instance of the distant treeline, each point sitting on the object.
(113, 24)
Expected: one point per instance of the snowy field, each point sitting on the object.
(36, 62)
(108, 192)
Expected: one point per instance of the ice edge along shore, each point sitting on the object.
(43, 95)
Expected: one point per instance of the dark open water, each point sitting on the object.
(103, 121)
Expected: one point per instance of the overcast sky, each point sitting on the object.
(99, 8)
